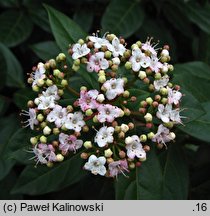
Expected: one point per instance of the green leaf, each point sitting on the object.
(22, 96)
(4, 102)
(158, 178)
(194, 77)
(84, 18)
(13, 69)
(42, 180)
(198, 15)
(8, 126)
(200, 127)
(46, 50)
(15, 27)
(64, 29)
(9, 3)
(122, 17)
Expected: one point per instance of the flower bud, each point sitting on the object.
(151, 87)
(52, 63)
(170, 67)
(43, 139)
(61, 57)
(142, 75)
(116, 61)
(164, 69)
(75, 68)
(128, 140)
(172, 135)
(49, 82)
(155, 104)
(126, 94)
(143, 104)
(164, 91)
(157, 97)
(100, 98)
(128, 65)
(85, 129)
(30, 104)
(30, 80)
(59, 157)
(124, 128)
(102, 79)
(40, 82)
(146, 148)
(127, 54)
(56, 131)
(56, 72)
(122, 113)
(88, 144)
(149, 125)
(127, 112)
(158, 76)
(150, 135)
(114, 67)
(134, 46)
(143, 138)
(95, 119)
(69, 108)
(77, 62)
(84, 156)
(88, 112)
(33, 140)
(108, 153)
(164, 52)
(148, 117)
(121, 135)
(107, 54)
(64, 83)
(83, 88)
(64, 128)
(122, 154)
(40, 117)
(35, 88)
(60, 92)
(142, 159)
(47, 130)
(125, 80)
(43, 125)
(117, 129)
(132, 165)
(164, 101)
(149, 100)
(109, 160)
(37, 101)
(160, 145)
(169, 124)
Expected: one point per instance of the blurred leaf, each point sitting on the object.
(64, 29)
(122, 17)
(38, 14)
(43, 179)
(6, 185)
(46, 50)
(198, 15)
(4, 102)
(9, 3)
(22, 96)
(194, 77)
(14, 73)
(15, 27)
(8, 125)
(84, 18)
(167, 179)
(200, 127)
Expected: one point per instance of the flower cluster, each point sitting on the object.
(110, 125)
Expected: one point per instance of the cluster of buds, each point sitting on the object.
(103, 124)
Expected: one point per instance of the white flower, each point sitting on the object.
(97, 62)
(79, 50)
(158, 84)
(39, 74)
(75, 121)
(113, 87)
(57, 115)
(134, 148)
(163, 135)
(155, 65)
(52, 91)
(173, 96)
(147, 46)
(116, 47)
(69, 143)
(104, 136)
(46, 102)
(98, 42)
(96, 165)
(108, 113)
(166, 113)
(32, 118)
(138, 60)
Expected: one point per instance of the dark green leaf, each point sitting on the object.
(200, 127)
(43, 179)
(15, 27)
(8, 126)
(9, 3)
(64, 29)
(84, 19)
(122, 17)
(14, 72)
(4, 102)
(46, 50)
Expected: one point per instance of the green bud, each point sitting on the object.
(108, 153)
(77, 62)
(56, 131)
(88, 112)
(102, 79)
(47, 130)
(43, 139)
(52, 63)
(128, 65)
(95, 119)
(158, 76)
(49, 82)
(164, 101)
(81, 41)
(142, 75)
(35, 88)
(56, 72)
(138, 44)
(143, 138)
(64, 83)
(148, 117)
(149, 100)
(108, 54)
(163, 91)
(40, 117)
(126, 94)
(150, 135)
(88, 144)
(59, 157)
(75, 68)
(33, 140)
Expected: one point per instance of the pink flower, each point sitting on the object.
(163, 135)
(155, 65)
(69, 143)
(148, 46)
(108, 113)
(173, 96)
(118, 167)
(97, 62)
(87, 100)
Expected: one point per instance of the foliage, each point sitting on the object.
(38, 31)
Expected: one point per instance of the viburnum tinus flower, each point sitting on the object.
(113, 121)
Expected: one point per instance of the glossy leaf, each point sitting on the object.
(46, 50)
(13, 69)
(63, 28)
(36, 180)
(15, 27)
(4, 102)
(122, 17)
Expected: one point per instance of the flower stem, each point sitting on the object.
(73, 91)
